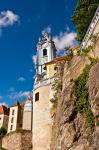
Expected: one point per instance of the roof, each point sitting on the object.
(75, 48)
(21, 105)
(4, 110)
(62, 58)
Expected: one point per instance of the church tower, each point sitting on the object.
(42, 93)
(46, 52)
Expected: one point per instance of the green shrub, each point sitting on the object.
(94, 60)
(57, 85)
(54, 101)
(89, 117)
(81, 93)
(3, 132)
(84, 52)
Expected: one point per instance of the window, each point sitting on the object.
(11, 127)
(13, 112)
(44, 52)
(37, 97)
(12, 120)
(55, 68)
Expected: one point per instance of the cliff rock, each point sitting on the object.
(70, 128)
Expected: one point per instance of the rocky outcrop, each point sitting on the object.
(93, 86)
(18, 141)
(70, 128)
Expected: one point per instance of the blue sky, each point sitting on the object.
(21, 24)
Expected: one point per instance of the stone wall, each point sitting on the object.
(18, 141)
(70, 128)
(64, 127)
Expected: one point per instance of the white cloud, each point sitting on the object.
(3, 103)
(7, 18)
(64, 39)
(47, 29)
(16, 95)
(22, 94)
(22, 79)
(34, 59)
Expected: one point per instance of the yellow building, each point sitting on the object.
(50, 67)
(75, 50)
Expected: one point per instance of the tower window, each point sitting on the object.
(13, 112)
(44, 52)
(12, 120)
(37, 96)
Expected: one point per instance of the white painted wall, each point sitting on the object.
(15, 116)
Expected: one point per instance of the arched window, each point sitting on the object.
(44, 52)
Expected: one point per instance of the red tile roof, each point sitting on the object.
(4, 110)
(62, 58)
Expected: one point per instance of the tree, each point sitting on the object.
(68, 51)
(83, 15)
(3, 132)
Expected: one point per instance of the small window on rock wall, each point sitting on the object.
(37, 96)
(44, 52)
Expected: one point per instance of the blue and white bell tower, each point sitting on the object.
(46, 52)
